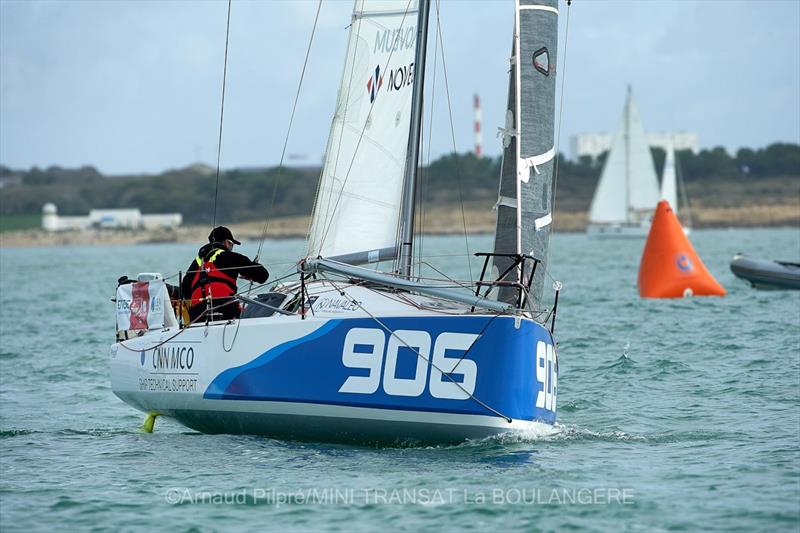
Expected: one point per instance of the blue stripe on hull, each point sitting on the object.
(311, 369)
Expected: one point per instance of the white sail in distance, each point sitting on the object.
(669, 180)
(628, 182)
(357, 207)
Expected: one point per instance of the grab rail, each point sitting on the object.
(523, 288)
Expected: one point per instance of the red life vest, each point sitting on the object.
(211, 281)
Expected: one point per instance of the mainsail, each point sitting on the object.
(524, 206)
(357, 207)
(628, 183)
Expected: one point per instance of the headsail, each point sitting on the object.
(357, 206)
(628, 182)
(524, 206)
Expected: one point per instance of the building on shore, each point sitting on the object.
(107, 219)
(594, 144)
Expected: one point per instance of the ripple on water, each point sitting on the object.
(669, 365)
(577, 404)
(623, 364)
(9, 433)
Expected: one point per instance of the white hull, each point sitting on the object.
(618, 231)
(347, 376)
(623, 231)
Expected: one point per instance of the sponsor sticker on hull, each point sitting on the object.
(170, 368)
(464, 365)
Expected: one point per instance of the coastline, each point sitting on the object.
(446, 221)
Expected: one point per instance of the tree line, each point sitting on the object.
(252, 194)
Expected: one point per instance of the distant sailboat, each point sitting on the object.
(669, 189)
(627, 192)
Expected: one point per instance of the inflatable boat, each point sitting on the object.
(766, 274)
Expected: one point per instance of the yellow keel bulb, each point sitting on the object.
(149, 422)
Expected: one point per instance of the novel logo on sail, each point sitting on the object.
(374, 83)
(399, 78)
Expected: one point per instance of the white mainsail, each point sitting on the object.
(669, 187)
(628, 183)
(357, 207)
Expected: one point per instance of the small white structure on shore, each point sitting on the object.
(594, 144)
(108, 219)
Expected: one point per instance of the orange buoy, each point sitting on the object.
(670, 267)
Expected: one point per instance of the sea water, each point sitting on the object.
(673, 414)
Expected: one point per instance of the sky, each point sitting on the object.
(135, 87)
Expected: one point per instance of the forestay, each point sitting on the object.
(357, 206)
(525, 203)
(628, 183)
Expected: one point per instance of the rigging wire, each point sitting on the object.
(288, 132)
(453, 136)
(425, 179)
(221, 113)
(558, 137)
(465, 284)
(235, 334)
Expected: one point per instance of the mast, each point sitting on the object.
(406, 236)
(518, 128)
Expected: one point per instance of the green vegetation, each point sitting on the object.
(20, 222)
(243, 194)
(713, 178)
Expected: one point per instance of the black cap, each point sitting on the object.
(221, 234)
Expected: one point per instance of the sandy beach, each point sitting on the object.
(442, 222)
(447, 221)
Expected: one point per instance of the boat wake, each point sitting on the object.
(557, 433)
(571, 432)
(574, 433)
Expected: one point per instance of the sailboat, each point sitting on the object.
(358, 354)
(627, 192)
(669, 189)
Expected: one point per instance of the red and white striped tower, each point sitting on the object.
(478, 139)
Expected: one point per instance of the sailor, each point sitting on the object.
(211, 278)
